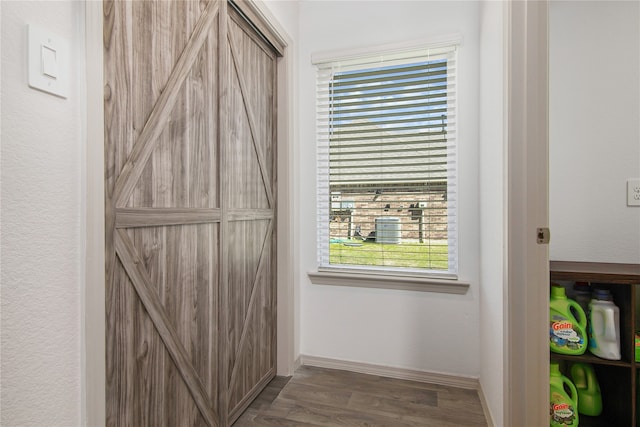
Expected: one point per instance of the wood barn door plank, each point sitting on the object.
(143, 147)
(250, 151)
(142, 283)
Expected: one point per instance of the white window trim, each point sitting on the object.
(339, 55)
(428, 281)
(381, 280)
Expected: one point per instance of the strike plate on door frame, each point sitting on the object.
(543, 235)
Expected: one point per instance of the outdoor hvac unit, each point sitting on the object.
(388, 230)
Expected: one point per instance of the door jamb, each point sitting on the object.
(526, 385)
(93, 373)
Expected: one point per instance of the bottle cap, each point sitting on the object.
(557, 291)
(554, 368)
(602, 295)
(582, 288)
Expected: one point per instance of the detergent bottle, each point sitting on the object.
(638, 400)
(563, 406)
(567, 324)
(589, 396)
(582, 295)
(604, 326)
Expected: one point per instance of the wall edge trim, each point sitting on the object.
(485, 406)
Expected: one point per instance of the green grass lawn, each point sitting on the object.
(431, 256)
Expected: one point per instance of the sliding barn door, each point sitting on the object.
(249, 192)
(190, 212)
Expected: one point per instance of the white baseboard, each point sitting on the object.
(485, 406)
(471, 383)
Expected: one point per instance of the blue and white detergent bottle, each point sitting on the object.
(604, 326)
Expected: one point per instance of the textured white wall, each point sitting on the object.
(286, 14)
(492, 207)
(594, 137)
(426, 331)
(40, 229)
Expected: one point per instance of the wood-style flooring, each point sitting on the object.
(328, 397)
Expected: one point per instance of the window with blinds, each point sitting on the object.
(386, 152)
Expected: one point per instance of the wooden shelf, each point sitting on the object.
(596, 272)
(589, 358)
(617, 378)
(601, 421)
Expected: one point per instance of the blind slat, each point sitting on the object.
(340, 160)
(395, 102)
(429, 144)
(415, 115)
(386, 72)
(431, 92)
(389, 136)
(412, 85)
(339, 131)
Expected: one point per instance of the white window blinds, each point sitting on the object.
(386, 152)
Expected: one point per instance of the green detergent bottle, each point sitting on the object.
(567, 331)
(563, 406)
(589, 397)
(638, 401)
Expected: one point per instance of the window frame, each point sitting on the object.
(382, 277)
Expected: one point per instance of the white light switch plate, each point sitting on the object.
(633, 192)
(48, 66)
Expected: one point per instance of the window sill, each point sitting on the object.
(388, 281)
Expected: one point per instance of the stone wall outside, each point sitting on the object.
(366, 210)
